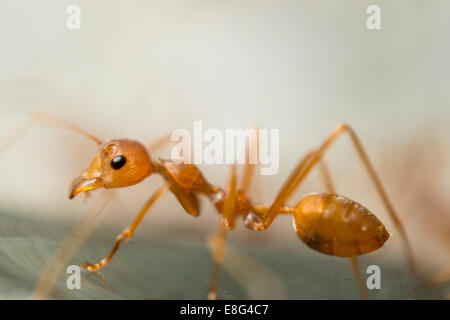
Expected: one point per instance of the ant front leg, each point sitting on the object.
(128, 232)
(68, 248)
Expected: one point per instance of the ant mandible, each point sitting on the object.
(326, 222)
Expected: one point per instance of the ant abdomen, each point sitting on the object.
(338, 226)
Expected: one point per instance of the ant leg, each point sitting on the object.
(311, 160)
(128, 232)
(356, 269)
(249, 168)
(326, 177)
(228, 218)
(39, 118)
(353, 261)
(68, 248)
(227, 214)
(79, 234)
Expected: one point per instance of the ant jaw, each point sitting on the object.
(81, 184)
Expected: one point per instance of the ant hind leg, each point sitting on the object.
(353, 261)
(308, 163)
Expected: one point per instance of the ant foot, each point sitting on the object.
(91, 267)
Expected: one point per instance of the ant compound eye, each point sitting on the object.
(118, 162)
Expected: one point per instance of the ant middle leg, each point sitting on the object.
(228, 217)
(228, 214)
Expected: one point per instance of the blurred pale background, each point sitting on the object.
(143, 68)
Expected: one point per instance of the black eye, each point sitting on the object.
(118, 162)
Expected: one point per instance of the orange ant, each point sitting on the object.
(326, 222)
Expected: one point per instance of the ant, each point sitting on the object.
(326, 222)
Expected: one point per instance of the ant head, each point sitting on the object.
(120, 163)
